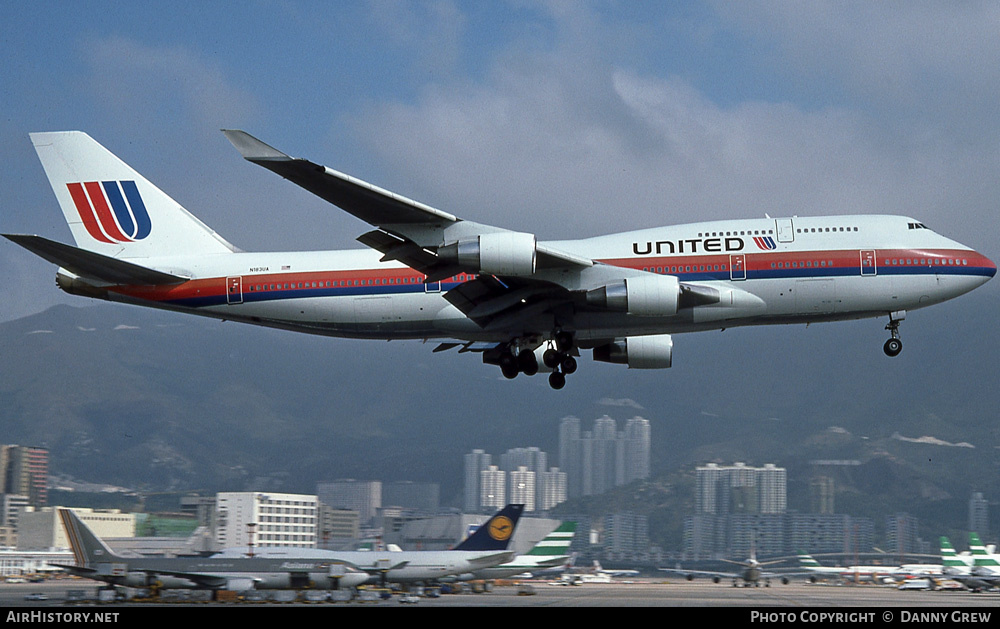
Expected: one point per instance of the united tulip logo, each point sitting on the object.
(111, 211)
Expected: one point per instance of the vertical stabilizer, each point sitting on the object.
(112, 209)
(88, 549)
(495, 534)
(556, 543)
(806, 560)
(949, 558)
(980, 555)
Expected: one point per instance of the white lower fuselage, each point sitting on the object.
(766, 271)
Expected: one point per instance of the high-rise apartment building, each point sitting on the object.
(493, 488)
(522, 488)
(363, 496)
(979, 514)
(24, 471)
(266, 519)
(599, 460)
(740, 488)
(551, 487)
(475, 462)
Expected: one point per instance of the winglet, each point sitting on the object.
(251, 148)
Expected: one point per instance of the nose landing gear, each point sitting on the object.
(894, 346)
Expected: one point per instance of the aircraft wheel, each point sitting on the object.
(892, 347)
(568, 365)
(527, 362)
(508, 365)
(557, 380)
(551, 358)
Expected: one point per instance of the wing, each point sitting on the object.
(493, 559)
(702, 573)
(512, 266)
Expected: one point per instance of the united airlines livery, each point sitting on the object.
(526, 306)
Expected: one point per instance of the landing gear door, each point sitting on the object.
(868, 266)
(737, 267)
(234, 290)
(784, 229)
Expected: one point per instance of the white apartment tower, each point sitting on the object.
(522, 487)
(492, 483)
(266, 519)
(475, 462)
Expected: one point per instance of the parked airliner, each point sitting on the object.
(525, 305)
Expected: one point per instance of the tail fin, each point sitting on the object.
(495, 534)
(88, 549)
(112, 209)
(555, 543)
(806, 560)
(948, 555)
(980, 556)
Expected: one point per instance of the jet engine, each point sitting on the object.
(144, 580)
(643, 296)
(638, 352)
(500, 253)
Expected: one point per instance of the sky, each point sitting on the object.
(566, 119)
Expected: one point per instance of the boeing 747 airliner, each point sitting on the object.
(525, 305)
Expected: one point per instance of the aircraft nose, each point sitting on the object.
(985, 267)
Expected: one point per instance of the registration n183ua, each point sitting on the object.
(525, 305)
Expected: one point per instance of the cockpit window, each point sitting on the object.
(916, 226)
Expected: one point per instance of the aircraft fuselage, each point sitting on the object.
(815, 269)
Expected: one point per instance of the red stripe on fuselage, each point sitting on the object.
(372, 278)
(837, 259)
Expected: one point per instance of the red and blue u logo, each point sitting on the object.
(765, 242)
(112, 211)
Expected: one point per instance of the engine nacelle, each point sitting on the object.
(643, 296)
(143, 580)
(638, 352)
(501, 253)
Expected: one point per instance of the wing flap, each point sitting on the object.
(488, 299)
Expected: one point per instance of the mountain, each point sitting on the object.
(138, 397)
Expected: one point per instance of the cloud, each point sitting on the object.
(934, 441)
(924, 57)
(431, 31)
(559, 141)
(146, 85)
(622, 402)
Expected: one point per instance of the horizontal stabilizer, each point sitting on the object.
(90, 265)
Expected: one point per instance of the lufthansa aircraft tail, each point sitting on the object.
(495, 534)
(114, 211)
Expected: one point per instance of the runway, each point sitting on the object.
(631, 594)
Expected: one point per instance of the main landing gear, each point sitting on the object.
(894, 346)
(557, 358)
